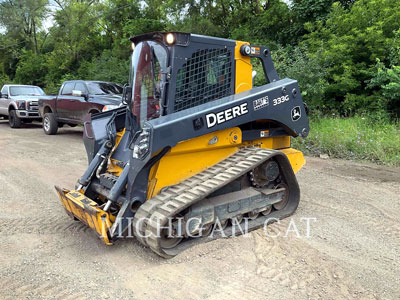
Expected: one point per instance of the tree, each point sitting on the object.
(4, 79)
(22, 19)
(306, 12)
(387, 78)
(75, 37)
(116, 14)
(348, 44)
(293, 62)
(269, 25)
(106, 67)
(311, 10)
(31, 69)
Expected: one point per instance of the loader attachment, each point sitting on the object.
(78, 206)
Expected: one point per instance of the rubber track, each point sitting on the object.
(174, 199)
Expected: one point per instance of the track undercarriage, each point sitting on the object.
(187, 214)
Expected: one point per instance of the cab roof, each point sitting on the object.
(181, 38)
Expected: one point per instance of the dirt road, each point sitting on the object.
(352, 251)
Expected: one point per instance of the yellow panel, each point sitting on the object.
(191, 157)
(243, 76)
(272, 143)
(296, 158)
(219, 139)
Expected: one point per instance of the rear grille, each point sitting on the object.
(206, 76)
(33, 106)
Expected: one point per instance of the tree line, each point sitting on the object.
(345, 54)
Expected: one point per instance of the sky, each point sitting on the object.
(50, 19)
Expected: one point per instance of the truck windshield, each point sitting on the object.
(104, 88)
(26, 91)
(148, 67)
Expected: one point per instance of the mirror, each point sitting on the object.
(77, 93)
(127, 95)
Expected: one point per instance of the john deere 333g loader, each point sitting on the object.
(197, 145)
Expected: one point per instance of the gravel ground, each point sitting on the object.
(352, 251)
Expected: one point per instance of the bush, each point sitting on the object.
(388, 80)
(106, 67)
(4, 79)
(31, 69)
(296, 64)
(348, 43)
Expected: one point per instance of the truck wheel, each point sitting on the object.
(14, 121)
(50, 125)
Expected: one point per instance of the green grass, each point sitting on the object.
(354, 138)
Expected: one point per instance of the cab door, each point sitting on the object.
(82, 103)
(65, 101)
(4, 101)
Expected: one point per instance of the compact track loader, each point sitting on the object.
(197, 148)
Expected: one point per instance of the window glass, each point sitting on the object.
(104, 88)
(67, 89)
(26, 91)
(80, 86)
(149, 64)
(4, 90)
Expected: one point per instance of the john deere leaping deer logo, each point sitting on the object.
(296, 113)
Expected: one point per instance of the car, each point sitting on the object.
(75, 100)
(19, 103)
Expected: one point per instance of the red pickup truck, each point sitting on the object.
(75, 100)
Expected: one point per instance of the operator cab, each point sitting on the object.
(203, 68)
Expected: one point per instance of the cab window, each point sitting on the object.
(67, 89)
(4, 90)
(204, 77)
(80, 86)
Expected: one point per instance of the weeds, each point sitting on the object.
(358, 138)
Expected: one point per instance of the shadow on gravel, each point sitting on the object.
(32, 125)
(66, 130)
(25, 125)
(70, 131)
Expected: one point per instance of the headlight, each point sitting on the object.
(110, 107)
(170, 38)
(142, 144)
(21, 104)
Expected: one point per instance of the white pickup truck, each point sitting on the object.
(19, 103)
